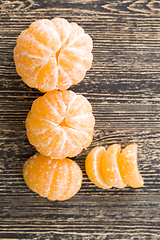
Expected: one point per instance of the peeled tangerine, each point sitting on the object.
(56, 179)
(113, 167)
(53, 54)
(60, 124)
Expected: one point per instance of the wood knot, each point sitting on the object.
(15, 5)
(154, 5)
(139, 6)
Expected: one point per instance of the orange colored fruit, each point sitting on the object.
(113, 168)
(53, 54)
(60, 124)
(56, 179)
(110, 167)
(93, 167)
(129, 168)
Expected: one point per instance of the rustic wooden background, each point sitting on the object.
(123, 87)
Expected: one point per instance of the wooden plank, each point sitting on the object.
(123, 88)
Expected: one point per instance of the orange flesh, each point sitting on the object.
(129, 168)
(60, 124)
(53, 54)
(93, 167)
(112, 168)
(57, 179)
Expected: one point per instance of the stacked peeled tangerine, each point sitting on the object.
(51, 56)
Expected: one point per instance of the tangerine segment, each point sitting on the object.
(60, 124)
(56, 179)
(129, 168)
(110, 167)
(93, 167)
(53, 54)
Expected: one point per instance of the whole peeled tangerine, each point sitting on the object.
(60, 124)
(56, 179)
(53, 54)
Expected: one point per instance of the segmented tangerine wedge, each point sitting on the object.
(128, 166)
(56, 179)
(110, 168)
(53, 54)
(113, 168)
(93, 167)
(60, 124)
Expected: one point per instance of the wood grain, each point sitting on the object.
(123, 88)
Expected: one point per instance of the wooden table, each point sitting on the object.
(123, 87)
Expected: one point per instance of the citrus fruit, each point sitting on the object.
(56, 179)
(110, 167)
(60, 124)
(128, 166)
(53, 54)
(113, 167)
(93, 167)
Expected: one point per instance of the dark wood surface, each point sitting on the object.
(123, 87)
